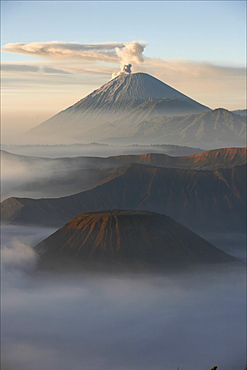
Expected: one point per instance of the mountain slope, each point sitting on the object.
(208, 160)
(223, 157)
(115, 239)
(201, 200)
(214, 129)
(240, 112)
(44, 177)
(111, 102)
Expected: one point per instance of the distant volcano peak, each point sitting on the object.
(139, 86)
(123, 101)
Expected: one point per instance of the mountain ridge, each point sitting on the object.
(209, 130)
(202, 200)
(231, 156)
(66, 176)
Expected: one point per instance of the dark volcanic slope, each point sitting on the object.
(202, 200)
(66, 176)
(128, 239)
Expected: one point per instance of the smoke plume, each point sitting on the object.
(128, 52)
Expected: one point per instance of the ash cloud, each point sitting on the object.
(125, 53)
(131, 53)
(108, 52)
(124, 69)
(193, 320)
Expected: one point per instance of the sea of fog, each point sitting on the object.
(192, 320)
(97, 150)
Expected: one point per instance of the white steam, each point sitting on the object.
(130, 53)
(18, 255)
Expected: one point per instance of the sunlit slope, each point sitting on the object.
(117, 238)
(202, 200)
(208, 160)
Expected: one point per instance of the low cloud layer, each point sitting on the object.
(17, 253)
(18, 256)
(194, 320)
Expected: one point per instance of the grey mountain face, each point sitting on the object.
(240, 112)
(116, 108)
(138, 108)
(208, 130)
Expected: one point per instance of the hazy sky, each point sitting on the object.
(56, 52)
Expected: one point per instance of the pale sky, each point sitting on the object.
(56, 52)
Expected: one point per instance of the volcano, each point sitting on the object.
(114, 239)
(117, 107)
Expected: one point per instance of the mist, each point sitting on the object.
(191, 320)
(36, 177)
(20, 174)
(97, 149)
(231, 243)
